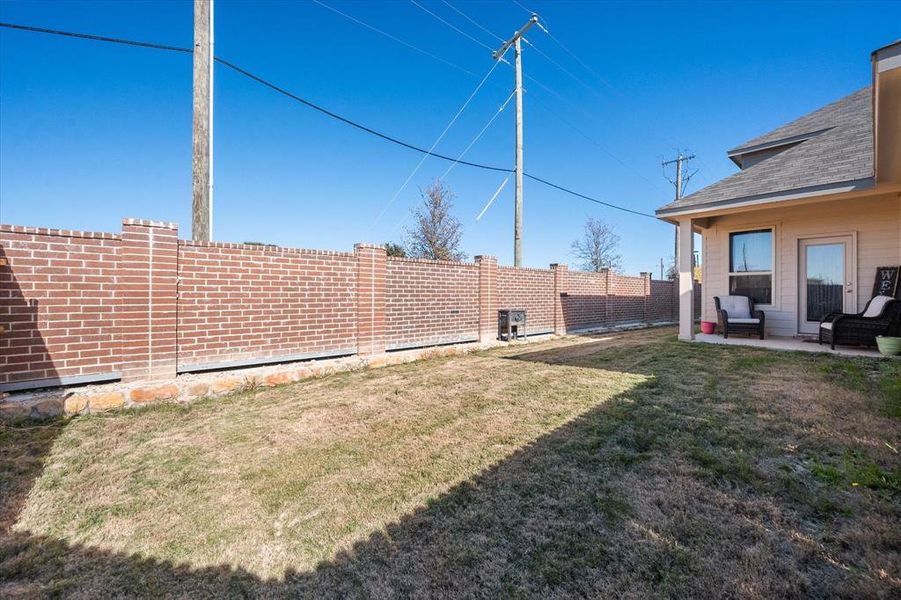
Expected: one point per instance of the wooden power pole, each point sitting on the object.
(517, 53)
(202, 184)
(680, 181)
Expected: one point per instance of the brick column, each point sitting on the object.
(146, 291)
(488, 303)
(371, 281)
(608, 285)
(648, 306)
(559, 289)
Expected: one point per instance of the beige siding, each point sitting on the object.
(874, 222)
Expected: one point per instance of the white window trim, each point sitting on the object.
(773, 273)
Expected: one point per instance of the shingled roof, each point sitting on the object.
(828, 148)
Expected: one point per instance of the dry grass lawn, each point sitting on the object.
(621, 465)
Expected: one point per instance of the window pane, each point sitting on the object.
(751, 251)
(825, 276)
(758, 287)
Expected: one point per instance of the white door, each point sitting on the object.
(827, 280)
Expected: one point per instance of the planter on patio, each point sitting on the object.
(708, 327)
(888, 345)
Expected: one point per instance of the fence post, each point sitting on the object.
(648, 305)
(608, 285)
(371, 281)
(147, 294)
(488, 302)
(675, 293)
(559, 289)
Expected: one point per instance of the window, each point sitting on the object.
(751, 265)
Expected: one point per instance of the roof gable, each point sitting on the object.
(829, 146)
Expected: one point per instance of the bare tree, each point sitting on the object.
(437, 232)
(597, 248)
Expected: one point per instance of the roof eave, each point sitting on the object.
(855, 185)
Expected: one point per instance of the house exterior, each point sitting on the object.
(813, 211)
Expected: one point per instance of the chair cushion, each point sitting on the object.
(826, 325)
(877, 305)
(736, 306)
(748, 320)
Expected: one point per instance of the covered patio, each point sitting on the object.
(799, 236)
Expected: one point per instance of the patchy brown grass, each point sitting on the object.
(626, 464)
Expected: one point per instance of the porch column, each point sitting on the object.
(686, 281)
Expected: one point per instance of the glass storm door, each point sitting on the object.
(826, 280)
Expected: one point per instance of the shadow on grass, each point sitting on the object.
(592, 508)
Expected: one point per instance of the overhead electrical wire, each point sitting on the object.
(451, 25)
(391, 37)
(462, 154)
(316, 107)
(474, 22)
(546, 88)
(435, 144)
(478, 135)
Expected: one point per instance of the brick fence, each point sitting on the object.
(79, 307)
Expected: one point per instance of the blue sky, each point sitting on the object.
(92, 132)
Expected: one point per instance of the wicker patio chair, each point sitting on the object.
(736, 314)
(881, 316)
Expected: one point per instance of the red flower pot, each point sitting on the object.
(708, 326)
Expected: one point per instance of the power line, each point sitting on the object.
(528, 76)
(98, 38)
(572, 75)
(436, 142)
(473, 21)
(589, 198)
(393, 38)
(359, 126)
(451, 25)
(479, 134)
(531, 12)
(316, 107)
(463, 153)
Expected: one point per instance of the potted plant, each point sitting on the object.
(888, 345)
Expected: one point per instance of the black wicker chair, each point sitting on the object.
(857, 329)
(744, 319)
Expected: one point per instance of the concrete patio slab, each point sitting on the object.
(786, 343)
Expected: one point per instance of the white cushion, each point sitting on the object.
(876, 306)
(826, 325)
(736, 306)
(731, 320)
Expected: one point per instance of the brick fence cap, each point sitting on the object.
(479, 257)
(27, 230)
(362, 245)
(149, 223)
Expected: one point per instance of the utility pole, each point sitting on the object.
(515, 41)
(202, 180)
(680, 181)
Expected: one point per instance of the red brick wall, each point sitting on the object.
(584, 301)
(663, 305)
(529, 289)
(625, 300)
(143, 304)
(145, 284)
(239, 302)
(430, 302)
(57, 303)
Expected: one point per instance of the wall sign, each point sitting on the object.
(886, 281)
